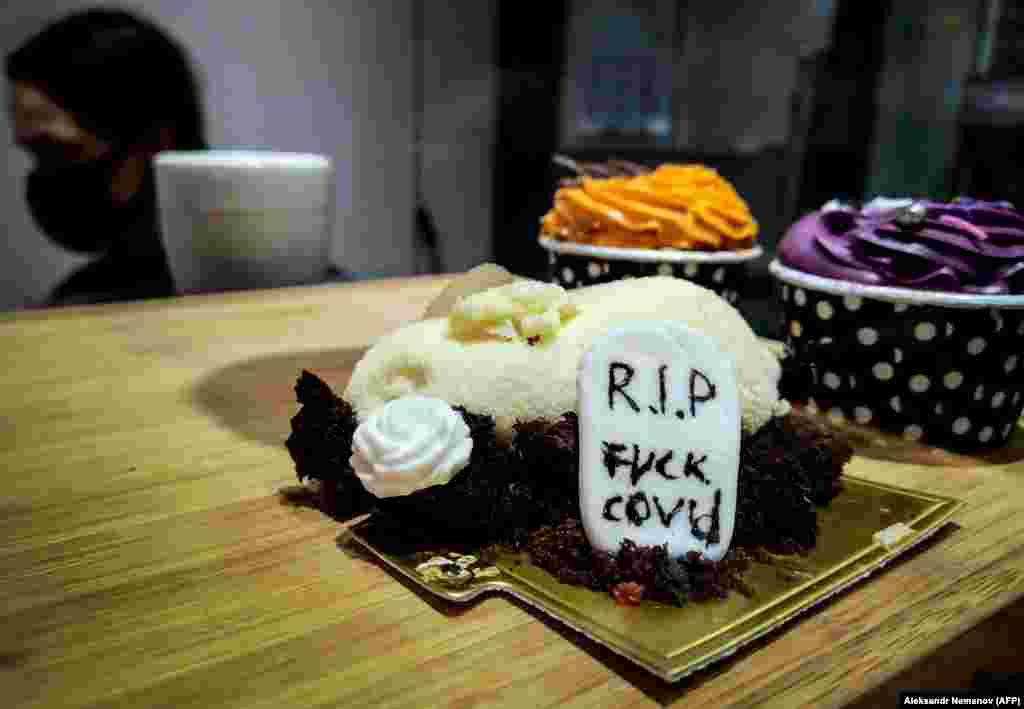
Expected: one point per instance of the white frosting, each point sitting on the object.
(522, 309)
(514, 380)
(881, 205)
(878, 205)
(408, 444)
(834, 205)
(659, 440)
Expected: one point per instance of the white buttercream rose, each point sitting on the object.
(408, 444)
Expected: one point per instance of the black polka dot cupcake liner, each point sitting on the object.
(946, 369)
(572, 265)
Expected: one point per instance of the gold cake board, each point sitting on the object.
(674, 642)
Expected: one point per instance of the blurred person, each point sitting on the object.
(93, 97)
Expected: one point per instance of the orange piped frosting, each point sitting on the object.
(689, 207)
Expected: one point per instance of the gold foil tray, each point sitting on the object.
(673, 642)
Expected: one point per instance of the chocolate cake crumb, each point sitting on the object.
(564, 552)
(799, 372)
(628, 593)
(787, 469)
(320, 444)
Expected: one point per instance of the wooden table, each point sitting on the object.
(148, 559)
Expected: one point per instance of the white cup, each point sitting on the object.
(240, 219)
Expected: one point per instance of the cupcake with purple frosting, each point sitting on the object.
(908, 315)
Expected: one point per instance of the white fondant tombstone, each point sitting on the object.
(659, 421)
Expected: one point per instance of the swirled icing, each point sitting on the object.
(687, 207)
(408, 444)
(965, 246)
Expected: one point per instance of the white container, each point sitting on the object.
(232, 219)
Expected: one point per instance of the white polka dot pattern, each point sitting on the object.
(572, 271)
(867, 336)
(919, 383)
(1011, 363)
(998, 320)
(925, 331)
(913, 432)
(947, 376)
(883, 371)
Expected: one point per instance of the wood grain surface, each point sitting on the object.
(150, 556)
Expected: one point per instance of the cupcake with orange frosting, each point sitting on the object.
(620, 220)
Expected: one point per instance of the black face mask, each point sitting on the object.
(73, 205)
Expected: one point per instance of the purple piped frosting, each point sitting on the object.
(965, 246)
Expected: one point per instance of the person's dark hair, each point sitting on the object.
(119, 75)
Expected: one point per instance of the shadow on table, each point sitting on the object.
(256, 397)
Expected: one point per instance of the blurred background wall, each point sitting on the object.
(338, 78)
(457, 107)
(930, 52)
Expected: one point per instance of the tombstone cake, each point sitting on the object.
(664, 473)
(629, 436)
